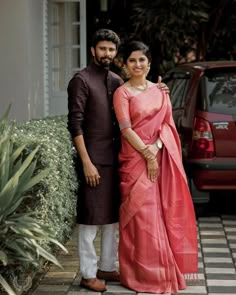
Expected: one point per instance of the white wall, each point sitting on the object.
(21, 58)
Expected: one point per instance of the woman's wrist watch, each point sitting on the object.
(159, 144)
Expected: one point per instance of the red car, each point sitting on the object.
(203, 97)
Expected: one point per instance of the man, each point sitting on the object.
(93, 127)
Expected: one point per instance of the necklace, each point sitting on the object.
(140, 87)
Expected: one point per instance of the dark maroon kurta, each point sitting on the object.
(90, 96)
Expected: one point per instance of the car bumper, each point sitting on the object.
(213, 174)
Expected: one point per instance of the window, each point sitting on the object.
(68, 47)
(178, 93)
(220, 89)
(177, 82)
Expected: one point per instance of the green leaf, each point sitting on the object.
(36, 179)
(58, 244)
(8, 192)
(4, 164)
(42, 252)
(13, 206)
(3, 258)
(5, 116)
(18, 152)
(27, 162)
(15, 167)
(6, 286)
(25, 177)
(22, 253)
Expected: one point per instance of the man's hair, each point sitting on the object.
(105, 35)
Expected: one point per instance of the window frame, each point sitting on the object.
(171, 79)
(65, 47)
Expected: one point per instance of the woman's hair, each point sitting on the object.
(105, 35)
(136, 46)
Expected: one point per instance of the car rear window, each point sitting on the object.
(218, 88)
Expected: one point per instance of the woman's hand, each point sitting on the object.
(150, 151)
(152, 169)
(91, 174)
(162, 86)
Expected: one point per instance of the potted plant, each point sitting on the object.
(21, 235)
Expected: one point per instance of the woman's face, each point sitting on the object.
(137, 64)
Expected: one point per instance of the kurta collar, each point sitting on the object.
(99, 68)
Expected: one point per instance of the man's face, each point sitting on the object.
(104, 53)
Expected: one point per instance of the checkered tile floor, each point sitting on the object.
(217, 267)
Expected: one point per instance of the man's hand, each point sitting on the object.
(162, 86)
(91, 174)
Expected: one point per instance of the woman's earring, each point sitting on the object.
(126, 72)
(148, 69)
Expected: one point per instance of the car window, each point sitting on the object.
(219, 91)
(169, 82)
(178, 92)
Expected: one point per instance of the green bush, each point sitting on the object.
(21, 233)
(55, 197)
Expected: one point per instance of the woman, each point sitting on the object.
(158, 238)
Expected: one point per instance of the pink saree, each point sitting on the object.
(158, 237)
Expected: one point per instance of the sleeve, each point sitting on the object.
(77, 96)
(121, 107)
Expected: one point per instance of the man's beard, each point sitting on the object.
(103, 63)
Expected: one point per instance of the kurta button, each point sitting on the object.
(109, 92)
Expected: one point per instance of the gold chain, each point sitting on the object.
(140, 88)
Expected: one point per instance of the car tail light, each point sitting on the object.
(202, 145)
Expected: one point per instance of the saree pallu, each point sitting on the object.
(158, 235)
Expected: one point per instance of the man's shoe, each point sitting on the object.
(108, 275)
(93, 284)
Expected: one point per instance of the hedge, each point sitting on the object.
(55, 198)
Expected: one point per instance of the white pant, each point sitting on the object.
(87, 252)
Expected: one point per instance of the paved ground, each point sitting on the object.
(217, 267)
